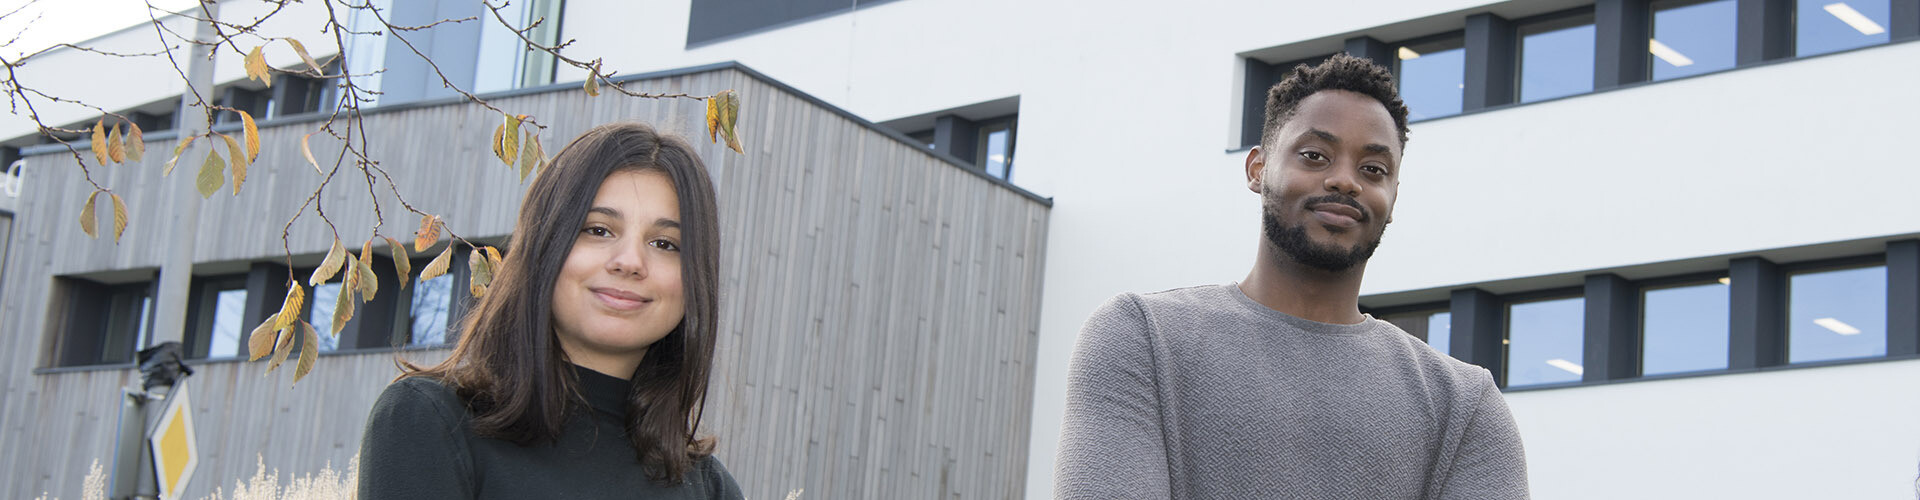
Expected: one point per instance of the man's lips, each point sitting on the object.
(620, 299)
(1336, 214)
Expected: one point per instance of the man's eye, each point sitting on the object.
(1375, 169)
(1313, 156)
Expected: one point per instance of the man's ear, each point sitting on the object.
(1256, 163)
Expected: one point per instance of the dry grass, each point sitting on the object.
(328, 484)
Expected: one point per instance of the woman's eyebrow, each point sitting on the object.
(608, 211)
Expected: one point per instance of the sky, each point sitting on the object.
(44, 23)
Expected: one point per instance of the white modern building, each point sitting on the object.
(1683, 234)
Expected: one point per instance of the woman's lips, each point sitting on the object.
(622, 300)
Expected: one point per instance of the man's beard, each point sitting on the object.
(1292, 240)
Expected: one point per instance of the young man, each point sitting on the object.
(1278, 387)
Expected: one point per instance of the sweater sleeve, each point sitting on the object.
(1111, 441)
(719, 483)
(415, 446)
(1489, 463)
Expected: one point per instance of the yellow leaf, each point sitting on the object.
(136, 144)
(493, 259)
(593, 86)
(115, 149)
(481, 272)
(510, 141)
(212, 175)
(119, 217)
(260, 342)
(309, 351)
(89, 221)
(713, 119)
(290, 308)
(176, 155)
(257, 67)
(428, 234)
(329, 265)
(729, 119)
(252, 136)
(99, 141)
(302, 51)
(529, 155)
(307, 151)
(282, 345)
(343, 304)
(369, 283)
(239, 158)
(438, 266)
(498, 133)
(402, 265)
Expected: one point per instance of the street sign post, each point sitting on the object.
(175, 451)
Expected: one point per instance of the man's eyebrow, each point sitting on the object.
(1329, 137)
(1378, 149)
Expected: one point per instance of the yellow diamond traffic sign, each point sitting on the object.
(175, 451)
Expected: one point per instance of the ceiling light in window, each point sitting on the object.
(1837, 326)
(1667, 54)
(1726, 281)
(1406, 53)
(1854, 18)
(1567, 365)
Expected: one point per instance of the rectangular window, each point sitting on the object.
(1822, 26)
(1545, 341)
(1556, 57)
(995, 149)
(1837, 314)
(215, 314)
(428, 313)
(1432, 77)
(103, 324)
(506, 63)
(1684, 328)
(1692, 37)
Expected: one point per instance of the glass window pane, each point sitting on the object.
(1556, 59)
(1837, 314)
(1684, 329)
(321, 315)
(1440, 332)
(1433, 78)
(1692, 39)
(997, 156)
(229, 306)
(1823, 26)
(1545, 340)
(428, 315)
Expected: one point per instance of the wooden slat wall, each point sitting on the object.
(880, 305)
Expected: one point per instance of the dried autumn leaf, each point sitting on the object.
(260, 342)
(729, 119)
(593, 86)
(499, 133)
(301, 50)
(115, 149)
(251, 136)
(282, 345)
(239, 157)
(428, 234)
(402, 265)
(88, 221)
(99, 141)
(529, 155)
(176, 155)
(510, 141)
(290, 308)
(438, 266)
(309, 351)
(256, 64)
(119, 217)
(330, 265)
(212, 175)
(481, 272)
(307, 151)
(493, 258)
(136, 144)
(343, 304)
(369, 283)
(713, 119)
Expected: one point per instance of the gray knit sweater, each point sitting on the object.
(1203, 393)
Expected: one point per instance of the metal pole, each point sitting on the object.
(176, 271)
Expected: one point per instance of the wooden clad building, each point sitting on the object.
(880, 301)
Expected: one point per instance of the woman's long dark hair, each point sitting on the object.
(508, 365)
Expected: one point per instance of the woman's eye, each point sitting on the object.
(664, 245)
(596, 231)
(1313, 156)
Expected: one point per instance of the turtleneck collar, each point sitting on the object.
(603, 392)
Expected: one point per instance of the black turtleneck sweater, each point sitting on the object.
(419, 444)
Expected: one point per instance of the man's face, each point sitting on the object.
(1328, 180)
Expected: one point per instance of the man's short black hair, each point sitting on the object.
(1340, 72)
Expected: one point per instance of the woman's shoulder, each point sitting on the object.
(419, 398)
(711, 477)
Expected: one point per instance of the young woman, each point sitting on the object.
(583, 370)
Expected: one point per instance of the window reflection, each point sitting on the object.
(1837, 314)
(1430, 325)
(998, 158)
(1684, 328)
(229, 307)
(321, 315)
(1556, 58)
(1823, 26)
(428, 316)
(1440, 332)
(1691, 37)
(1545, 341)
(1432, 77)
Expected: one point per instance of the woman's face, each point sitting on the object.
(619, 290)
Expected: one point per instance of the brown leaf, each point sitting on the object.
(510, 141)
(251, 136)
(239, 157)
(116, 150)
(99, 141)
(307, 151)
(481, 272)
(402, 265)
(529, 155)
(88, 220)
(176, 155)
(330, 265)
(498, 134)
(428, 234)
(438, 266)
(493, 258)
(119, 217)
(260, 342)
(713, 119)
(369, 282)
(301, 50)
(291, 307)
(256, 64)
(309, 351)
(282, 345)
(136, 144)
(213, 174)
(729, 120)
(343, 305)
